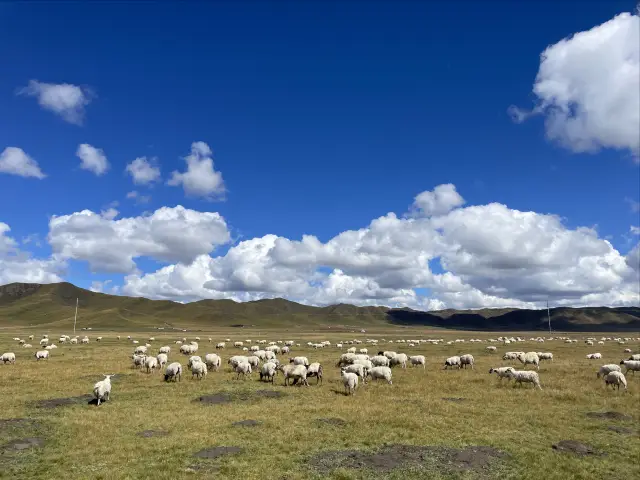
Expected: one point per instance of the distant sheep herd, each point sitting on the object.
(355, 365)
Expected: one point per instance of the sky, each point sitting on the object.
(422, 154)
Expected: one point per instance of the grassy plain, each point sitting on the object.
(88, 442)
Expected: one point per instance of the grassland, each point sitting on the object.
(88, 442)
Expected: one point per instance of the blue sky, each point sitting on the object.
(321, 117)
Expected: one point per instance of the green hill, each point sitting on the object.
(53, 305)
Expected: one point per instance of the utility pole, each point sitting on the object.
(75, 318)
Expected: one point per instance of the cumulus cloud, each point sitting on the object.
(15, 161)
(143, 171)
(17, 265)
(137, 197)
(493, 256)
(200, 179)
(169, 235)
(92, 159)
(588, 88)
(441, 200)
(64, 99)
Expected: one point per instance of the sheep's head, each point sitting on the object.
(622, 362)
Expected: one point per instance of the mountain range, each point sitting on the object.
(53, 306)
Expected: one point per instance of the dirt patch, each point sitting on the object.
(216, 399)
(573, 446)
(62, 402)
(152, 433)
(454, 399)
(609, 415)
(332, 421)
(10, 423)
(617, 429)
(22, 444)
(445, 460)
(247, 423)
(217, 452)
(270, 394)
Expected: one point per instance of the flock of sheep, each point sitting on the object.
(355, 365)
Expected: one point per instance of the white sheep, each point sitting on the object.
(511, 355)
(236, 359)
(220, 345)
(199, 369)
(545, 356)
(102, 389)
(381, 372)
(525, 376)
(213, 361)
(467, 359)
(594, 356)
(268, 371)
(350, 381)
(529, 358)
(605, 369)
(379, 361)
(615, 379)
(356, 368)
(418, 360)
(296, 372)
(242, 368)
(351, 350)
(26, 345)
(399, 359)
(253, 361)
(299, 361)
(42, 354)
(166, 349)
(173, 372)
(140, 350)
(635, 356)
(491, 348)
(8, 357)
(502, 372)
(138, 360)
(631, 365)
(150, 363)
(452, 362)
(193, 359)
(162, 359)
(44, 341)
(315, 370)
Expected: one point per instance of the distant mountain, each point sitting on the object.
(53, 305)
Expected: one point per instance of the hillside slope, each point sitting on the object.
(53, 305)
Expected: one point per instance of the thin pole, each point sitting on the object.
(75, 318)
(549, 317)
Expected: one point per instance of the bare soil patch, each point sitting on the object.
(22, 444)
(332, 421)
(62, 402)
(217, 452)
(152, 433)
(247, 423)
(478, 459)
(609, 415)
(573, 446)
(454, 399)
(618, 429)
(216, 399)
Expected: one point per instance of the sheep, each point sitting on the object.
(605, 369)
(418, 360)
(502, 372)
(315, 370)
(635, 357)
(102, 389)
(296, 372)
(351, 350)
(85, 340)
(452, 362)
(26, 345)
(511, 355)
(491, 348)
(44, 341)
(363, 350)
(166, 349)
(529, 358)
(381, 372)
(150, 363)
(545, 356)
(379, 361)
(615, 379)
(268, 371)
(138, 360)
(193, 359)
(253, 361)
(525, 376)
(173, 372)
(466, 360)
(236, 359)
(399, 359)
(140, 350)
(631, 365)
(220, 345)
(198, 369)
(42, 354)
(627, 350)
(73, 341)
(346, 359)
(242, 368)
(213, 361)
(8, 357)
(162, 359)
(388, 354)
(356, 368)
(350, 381)
(299, 361)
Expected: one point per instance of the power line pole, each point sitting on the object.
(75, 318)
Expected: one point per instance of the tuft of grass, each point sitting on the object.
(85, 441)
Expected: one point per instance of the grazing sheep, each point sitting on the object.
(140, 350)
(268, 371)
(150, 363)
(166, 349)
(525, 376)
(491, 348)
(138, 360)
(220, 345)
(42, 354)
(193, 359)
(26, 345)
(213, 361)
(467, 360)
(315, 370)
(351, 350)
(102, 389)
(379, 361)
(545, 356)
(356, 368)
(452, 362)
(605, 369)
(8, 357)
(418, 360)
(631, 365)
(511, 355)
(85, 340)
(242, 368)
(44, 341)
(381, 372)
(299, 361)
(253, 361)
(502, 372)
(529, 358)
(198, 369)
(162, 359)
(350, 381)
(237, 359)
(627, 350)
(615, 379)
(346, 359)
(594, 356)
(635, 357)
(399, 359)
(173, 372)
(296, 372)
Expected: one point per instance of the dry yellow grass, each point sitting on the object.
(91, 442)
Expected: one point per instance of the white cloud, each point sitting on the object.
(15, 161)
(200, 179)
(169, 234)
(18, 266)
(143, 171)
(138, 198)
(588, 88)
(443, 199)
(493, 256)
(64, 99)
(92, 159)
(634, 230)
